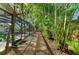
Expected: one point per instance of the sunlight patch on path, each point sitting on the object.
(2, 46)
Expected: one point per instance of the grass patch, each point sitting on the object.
(2, 53)
(73, 45)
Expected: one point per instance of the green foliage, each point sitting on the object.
(56, 18)
(2, 53)
(74, 45)
(2, 36)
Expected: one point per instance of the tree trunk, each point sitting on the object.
(12, 27)
(55, 14)
(64, 33)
